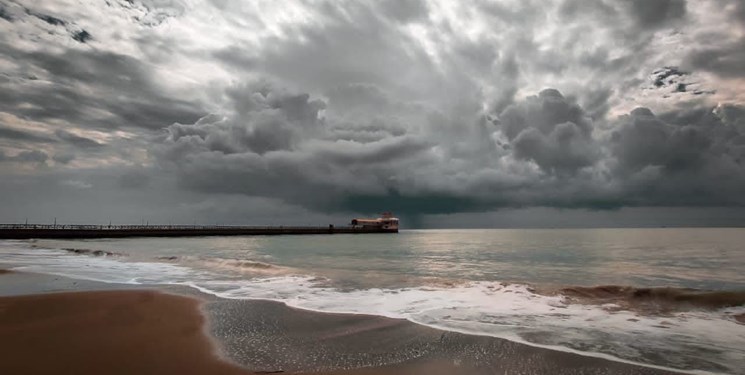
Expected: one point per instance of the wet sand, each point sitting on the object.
(269, 336)
(149, 332)
(108, 332)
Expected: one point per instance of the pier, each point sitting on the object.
(31, 231)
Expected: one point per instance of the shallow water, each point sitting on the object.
(503, 283)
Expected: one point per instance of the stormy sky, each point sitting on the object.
(485, 113)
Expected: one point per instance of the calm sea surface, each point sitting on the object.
(488, 282)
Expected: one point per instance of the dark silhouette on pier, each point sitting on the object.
(30, 231)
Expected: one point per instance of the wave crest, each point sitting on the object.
(97, 253)
(238, 265)
(654, 299)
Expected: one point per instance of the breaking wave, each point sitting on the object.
(654, 300)
(97, 253)
(227, 264)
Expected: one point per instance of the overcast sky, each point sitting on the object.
(448, 113)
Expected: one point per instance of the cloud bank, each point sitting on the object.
(420, 107)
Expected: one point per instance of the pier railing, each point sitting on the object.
(30, 231)
(162, 227)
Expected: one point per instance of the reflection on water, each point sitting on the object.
(705, 258)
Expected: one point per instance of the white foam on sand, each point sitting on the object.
(92, 268)
(695, 341)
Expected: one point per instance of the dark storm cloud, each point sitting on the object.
(33, 156)
(732, 115)
(20, 135)
(739, 14)
(646, 160)
(4, 14)
(550, 130)
(564, 150)
(54, 21)
(237, 57)
(275, 144)
(543, 112)
(354, 44)
(76, 140)
(721, 53)
(693, 158)
(667, 76)
(265, 121)
(64, 157)
(134, 178)
(91, 88)
(405, 10)
(409, 207)
(573, 9)
(656, 13)
(644, 140)
(595, 102)
(420, 107)
(359, 96)
(727, 60)
(82, 36)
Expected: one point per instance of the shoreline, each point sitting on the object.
(235, 336)
(372, 344)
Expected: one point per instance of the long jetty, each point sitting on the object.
(32, 231)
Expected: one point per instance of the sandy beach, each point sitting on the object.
(155, 332)
(108, 332)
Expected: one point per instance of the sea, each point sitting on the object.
(670, 298)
